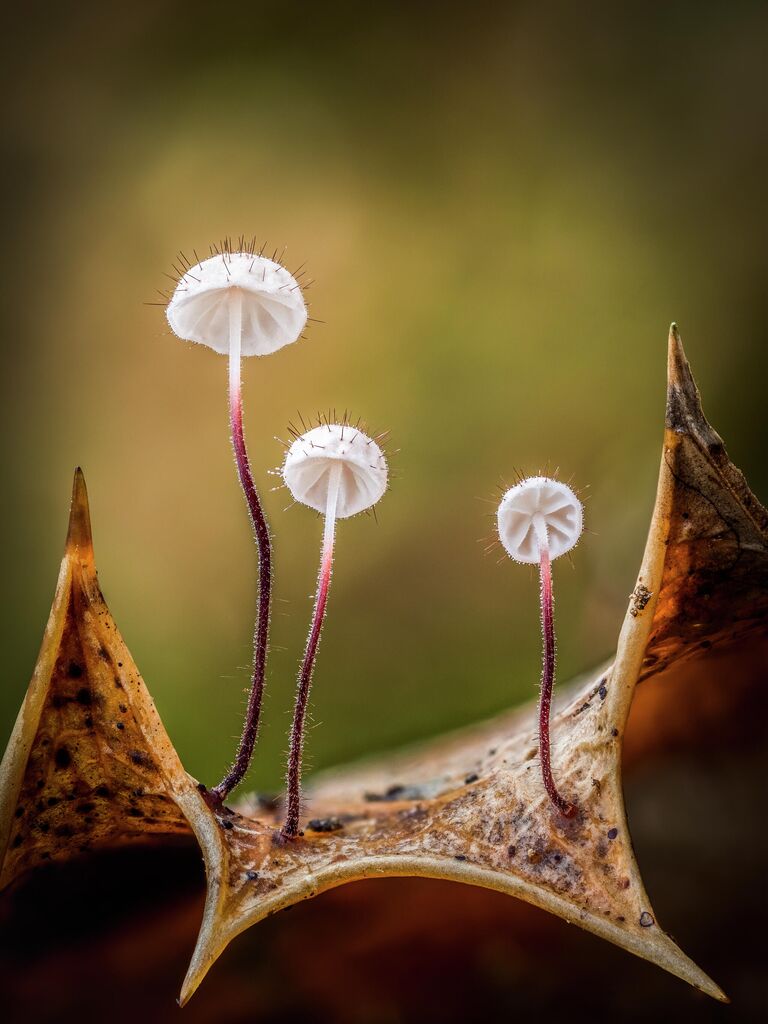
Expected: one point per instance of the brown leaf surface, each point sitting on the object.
(467, 808)
(89, 763)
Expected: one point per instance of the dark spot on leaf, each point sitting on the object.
(84, 696)
(603, 691)
(123, 708)
(17, 841)
(396, 792)
(417, 813)
(75, 670)
(134, 812)
(101, 791)
(472, 777)
(62, 759)
(251, 875)
(120, 726)
(19, 811)
(324, 825)
(86, 807)
(226, 824)
(459, 856)
(614, 732)
(612, 833)
(646, 920)
(512, 851)
(52, 801)
(64, 832)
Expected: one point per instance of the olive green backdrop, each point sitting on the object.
(502, 206)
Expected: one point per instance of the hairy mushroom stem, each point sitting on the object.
(547, 669)
(293, 811)
(263, 543)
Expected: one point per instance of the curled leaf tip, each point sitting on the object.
(79, 535)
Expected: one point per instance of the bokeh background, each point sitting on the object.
(502, 206)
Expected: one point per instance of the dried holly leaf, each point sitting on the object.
(89, 763)
(470, 808)
(473, 809)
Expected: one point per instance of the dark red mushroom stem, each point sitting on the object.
(261, 532)
(548, 676)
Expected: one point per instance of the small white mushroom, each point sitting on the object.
(338, 470)
(540, 519)
(241, 304)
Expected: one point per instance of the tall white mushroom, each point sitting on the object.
(540, 519)
(240, 303)
(339, 471)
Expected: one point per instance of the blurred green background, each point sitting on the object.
(502, 206)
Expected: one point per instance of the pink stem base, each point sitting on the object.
(293, 811)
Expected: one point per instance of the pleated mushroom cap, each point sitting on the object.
(309, 460)
(273, 310)
(553, 503)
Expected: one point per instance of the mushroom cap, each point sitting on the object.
(273, 310)
(309, 460)
(558, 509)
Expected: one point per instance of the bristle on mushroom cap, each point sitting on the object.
(309, 460)
(540, 501)
(273, 310)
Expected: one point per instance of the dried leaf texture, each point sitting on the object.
(473, 809)
(89, 763)
(469, 807)
(715, 583)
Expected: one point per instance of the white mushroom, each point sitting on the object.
(540, 519)
(338, 470)
(241, 304)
